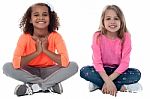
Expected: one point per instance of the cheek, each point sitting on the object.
(119, 23)
(48, 19)
(105, 24)
(32, 20)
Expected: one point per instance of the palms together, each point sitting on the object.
(41, 43)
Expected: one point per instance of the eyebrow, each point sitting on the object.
(38, 12)
(111, 16)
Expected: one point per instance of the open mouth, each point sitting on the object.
(41, 22)
(112, 26)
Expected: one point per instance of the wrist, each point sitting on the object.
(37, 53)
(45, 51)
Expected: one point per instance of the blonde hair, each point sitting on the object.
(123, 28)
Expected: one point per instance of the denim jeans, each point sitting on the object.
(130, 76)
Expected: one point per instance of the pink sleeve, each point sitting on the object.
(97, 62)
(126, 49)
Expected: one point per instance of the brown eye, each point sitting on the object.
(35, 15)
(108, 18)
(45, 14)
(116, 18)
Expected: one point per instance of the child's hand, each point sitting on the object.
(38, 44)
(44, 43)
(109, 88)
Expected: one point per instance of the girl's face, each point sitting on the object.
(40, 17)
(111, 21)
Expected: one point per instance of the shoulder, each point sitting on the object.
(55, 34)
(97, 33)
(127, 35)
(25, 36)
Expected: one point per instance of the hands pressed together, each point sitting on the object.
(41, 43)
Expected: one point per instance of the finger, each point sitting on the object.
(115, 93)
(111, 93)
(107, 91)
(104, 91)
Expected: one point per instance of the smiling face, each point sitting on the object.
(111, 21)
(40, 17)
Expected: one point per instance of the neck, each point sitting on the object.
(111, 35)
(40, 33)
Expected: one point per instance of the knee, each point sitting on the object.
(84, 71)
(138, 74)
(74, 66)
(7, 67)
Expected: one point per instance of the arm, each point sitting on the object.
(114, 75)
(126, 49)
(26, 59)
(55, 57)
(97, 61)
(19, 51)
(108, 87)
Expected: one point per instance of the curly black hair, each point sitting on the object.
(27, 27)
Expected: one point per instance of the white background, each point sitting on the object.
(79, 19)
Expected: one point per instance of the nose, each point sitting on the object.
(41, 17)
(112, 21)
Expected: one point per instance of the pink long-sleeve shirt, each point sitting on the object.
(111, 52)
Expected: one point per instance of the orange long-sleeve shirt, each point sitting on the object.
(26, 46)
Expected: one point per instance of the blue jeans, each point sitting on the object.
(130, 76)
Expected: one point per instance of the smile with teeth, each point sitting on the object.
(40, 22)
(112, 26)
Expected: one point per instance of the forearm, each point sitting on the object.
(114, 75)
(26, 59)
(105, 77)
(55, 57)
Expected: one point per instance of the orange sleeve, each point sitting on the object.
(62, 50)
(19, 51)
